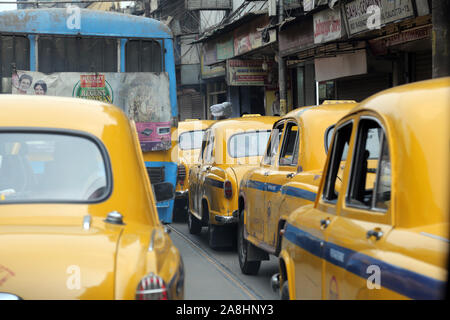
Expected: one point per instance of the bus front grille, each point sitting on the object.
(156, 174)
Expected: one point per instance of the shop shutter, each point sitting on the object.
(361, 87)
(197, 106)
(185, 106)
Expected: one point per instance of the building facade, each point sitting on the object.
(331, 49)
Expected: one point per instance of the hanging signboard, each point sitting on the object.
(364, 15)
(245, 73)
(340, 66)
(327, 25)
(379, 46)
(143, 96)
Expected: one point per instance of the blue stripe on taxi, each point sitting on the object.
(405, 282)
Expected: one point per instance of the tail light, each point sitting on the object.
(181, 174)
(228, 189)
(152, 287)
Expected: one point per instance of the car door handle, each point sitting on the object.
(290, 175)
(374, 233)
(325, 222)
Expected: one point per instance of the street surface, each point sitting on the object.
(216, 275)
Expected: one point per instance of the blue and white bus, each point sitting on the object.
(96, 46)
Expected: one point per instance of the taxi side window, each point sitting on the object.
(274, 142)
(370, 178)
(336, 167)
(205, 138)
(289, 149)
(209, 149)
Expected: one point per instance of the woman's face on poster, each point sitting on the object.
(24, 84)
(39, 90)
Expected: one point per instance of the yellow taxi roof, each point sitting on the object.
(244, 123)
(194, 124)
(58, 112)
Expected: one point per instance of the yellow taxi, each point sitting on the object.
(189, 137)
(378, 228)
(77, 212)
(287, 177)
(230, 148)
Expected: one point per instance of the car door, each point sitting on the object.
(281, 173)
(355, 241)
(257, 187)
(314, 224)
(213, 176)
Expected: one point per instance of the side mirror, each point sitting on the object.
(163, 191)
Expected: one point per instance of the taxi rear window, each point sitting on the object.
(248, 144)
(191, 140)
(52, 167)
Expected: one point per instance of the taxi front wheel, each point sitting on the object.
(247, 267)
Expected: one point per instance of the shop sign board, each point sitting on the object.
(379, 46)
(245, 73)
(364, 15)
(327, 25)
(343, 65)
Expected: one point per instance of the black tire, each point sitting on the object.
(247, 267)
(285, 291)
(212, 235)
(194, 225)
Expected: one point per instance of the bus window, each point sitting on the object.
(69, 54)
(13, 49)
(143, 56)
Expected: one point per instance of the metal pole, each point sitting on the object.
(441, 38)
(281, 65)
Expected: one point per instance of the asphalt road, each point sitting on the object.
(216, 275)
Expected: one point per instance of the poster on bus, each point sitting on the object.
(143, 96)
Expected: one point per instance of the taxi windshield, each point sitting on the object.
(49, 167)
(248, 144)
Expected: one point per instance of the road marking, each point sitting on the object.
(220, 266)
